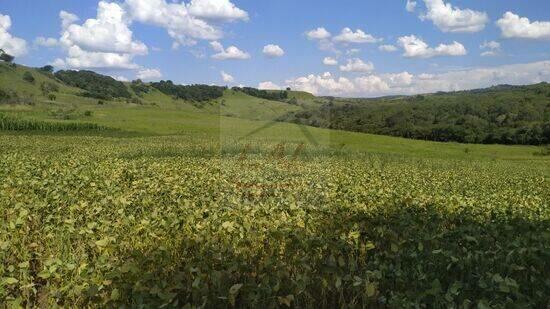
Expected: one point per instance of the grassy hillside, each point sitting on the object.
(235, 116)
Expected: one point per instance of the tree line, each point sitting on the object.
(95, 85)
(197, 93)
(272, 95)
(500, 115)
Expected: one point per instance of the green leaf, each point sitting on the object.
(370, 289)
(102, 243)
(287, 300)
(234, 290)
(115, 295)
(9, 281)
(24, 264)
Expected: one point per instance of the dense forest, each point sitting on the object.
(199, 93)
(497, 115)
(263, 94)
(95, 85)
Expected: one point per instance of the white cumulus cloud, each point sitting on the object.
(514, 26)
(230, 53)
(227, 78)
(46, 42)
(149, 74)
(387, 48)
(109, 32)
(102, 42)
(406, 83)
(416, 48)
(12, 45)
(491, 48)
(318, 34)
(330, 61)
(449, 18)
(217, 10)
(269, 86)
(410, 6)
(359, 36)
(181, 25)
(273, 51)
(357, 65)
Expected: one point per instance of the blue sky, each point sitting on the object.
(437, 44)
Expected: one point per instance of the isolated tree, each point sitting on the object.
(47, 69)
(6, 57)
(28, 77)
(288, 89)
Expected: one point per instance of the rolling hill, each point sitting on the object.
(234, 116)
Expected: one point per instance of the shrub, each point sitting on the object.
(28, 77)
(47, 87)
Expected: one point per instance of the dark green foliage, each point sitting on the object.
(4, 96)
(47, 69)
(52, 97)
(6, 57)
(263, 94)
(140, 88)
(197, 93)
(11, 97)
(543, 152)
(8, 123)
(48, 87)
(27, 76)
(95, 85)
(497, 115)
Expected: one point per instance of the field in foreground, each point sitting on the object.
(175, 221)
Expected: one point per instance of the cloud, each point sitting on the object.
(148, 74)
(370, 84)
(67, 19)
(330, 61)
(406, 83)
(230, 53)
(514, 26)
(453, 19)
(216, 10)
(399, 79)
(322, 84)
(46, 42)
(273, 51)
(108, 33)
(348, 36)
(357, 65)
(80, 59)
(416, 48)
(103, 42)
(226, 77)
(411, 6)
(10, 44)
(184, 27)
(318, 34)
(492, 48)
(269, 86)
(121, 78)
(387, 48)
